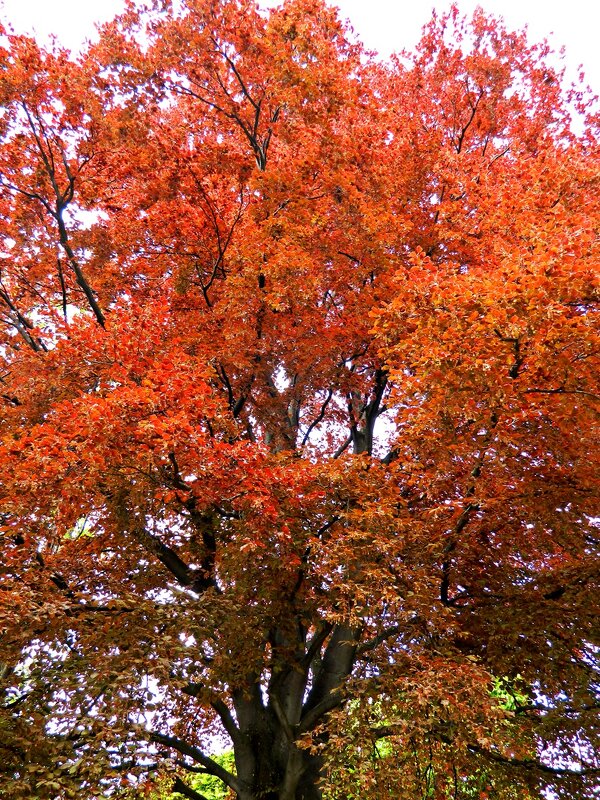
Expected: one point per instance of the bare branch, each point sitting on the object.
(179, 787)
(534, 764)
(197, 755)
(319, 418)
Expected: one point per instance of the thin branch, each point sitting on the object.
(189, 768)
(581, 709)
(30, 195)
(373, 643)
(21, 323)
(325, 527)
(226, 718)
(319, 418)
(235, 71)
(197, 755)
(343, 447)
(562, 391)
(63, 288)
(14, 401)
(534, 764)
(81, 279)
(352, 258)
(315, 643)
(179, 787)
(466, 127)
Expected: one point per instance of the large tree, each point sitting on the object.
(299, 411)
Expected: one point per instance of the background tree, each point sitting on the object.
(299, 411)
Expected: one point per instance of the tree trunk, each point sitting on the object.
(269, 764)
(298, 781)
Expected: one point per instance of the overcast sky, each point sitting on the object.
(383, 25)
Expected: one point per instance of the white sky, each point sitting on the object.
(383, 25)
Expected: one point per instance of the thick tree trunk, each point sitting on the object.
(269, 764)
(271, 782)
(309, 783)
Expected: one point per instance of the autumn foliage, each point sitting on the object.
(299, 412)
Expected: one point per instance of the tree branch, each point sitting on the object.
(533, 764)
(197, 755)
(179, 787)
(333, 700)
(281, 717)
(185, 575)
(319, 418)
(562, 391)
(371, 644)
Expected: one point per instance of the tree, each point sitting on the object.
(299, 411)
